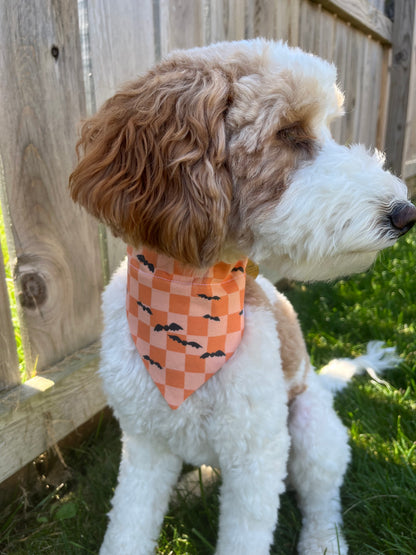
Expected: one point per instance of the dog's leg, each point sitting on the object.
(148, 472)
(318, 461)
(253, 479)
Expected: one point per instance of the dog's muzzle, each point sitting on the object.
(403, 217)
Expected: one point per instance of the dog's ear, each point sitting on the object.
(153, 163)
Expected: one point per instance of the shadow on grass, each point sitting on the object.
(379, 503)
(379, 493)
(378, 498)
(68, 516)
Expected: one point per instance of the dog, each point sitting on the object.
(217, 155)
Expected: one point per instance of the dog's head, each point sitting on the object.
(225, 151)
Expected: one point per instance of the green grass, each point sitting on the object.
(379, 493)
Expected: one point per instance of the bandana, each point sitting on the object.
(185, 326)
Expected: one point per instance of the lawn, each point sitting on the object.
(66, 515)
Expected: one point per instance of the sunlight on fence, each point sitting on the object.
(12, 299)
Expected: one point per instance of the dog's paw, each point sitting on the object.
(326, 543)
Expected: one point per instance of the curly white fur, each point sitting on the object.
(354, 193)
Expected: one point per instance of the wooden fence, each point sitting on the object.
(52, 75)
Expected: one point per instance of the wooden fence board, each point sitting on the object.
(9, 370)
(266, 19)
(226, 20)
(359, 109)
(410, 177)
(341, 60)
(294, 22)
(122, 43)
(306, 27)
(384, 98)
(361, 66)
(362, 15)
(404, 18)
(237, 25)
(122, 46)
(279, 21)
(250, 18)
(379, 4)
(181, 24)
(39, 413)
(41, 101)
(327, 35)
(371, 94)
(410, 148)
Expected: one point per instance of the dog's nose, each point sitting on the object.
(403, 217)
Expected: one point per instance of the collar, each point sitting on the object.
(185, 325)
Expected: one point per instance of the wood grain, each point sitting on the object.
(293, 35)
(122, 43)
(327, 35)
(228, 20)
(41, 102)
(266, 19)
(371, 96)
(181, 25)
(362, 15)
(410, 177)
(9, 370)
(410, 147)
(34, 416)
(379, 4)
(402, 52)
(384, 98)
(340, 59)
(307, 25)
(355, 87)
(122, 46)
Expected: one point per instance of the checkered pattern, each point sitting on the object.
(185, 326)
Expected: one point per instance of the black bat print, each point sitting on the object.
(216, 354)
(241, 312)
(145, 308)
(238, 269)
(182, 342)
(146, 357)
(169, 327)
(142, 259)
(209, 317)
(215, 298)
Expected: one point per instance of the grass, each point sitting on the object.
(379, 494)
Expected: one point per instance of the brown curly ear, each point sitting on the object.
(153, 164)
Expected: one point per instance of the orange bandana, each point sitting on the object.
(185, 327)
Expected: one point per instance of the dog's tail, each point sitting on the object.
(336, 375)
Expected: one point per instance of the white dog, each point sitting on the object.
(216, 155)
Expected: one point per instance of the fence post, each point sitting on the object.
(404, 14)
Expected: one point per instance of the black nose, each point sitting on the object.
(403, 217)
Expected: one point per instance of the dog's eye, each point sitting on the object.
(296, 135)
(289, 132)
